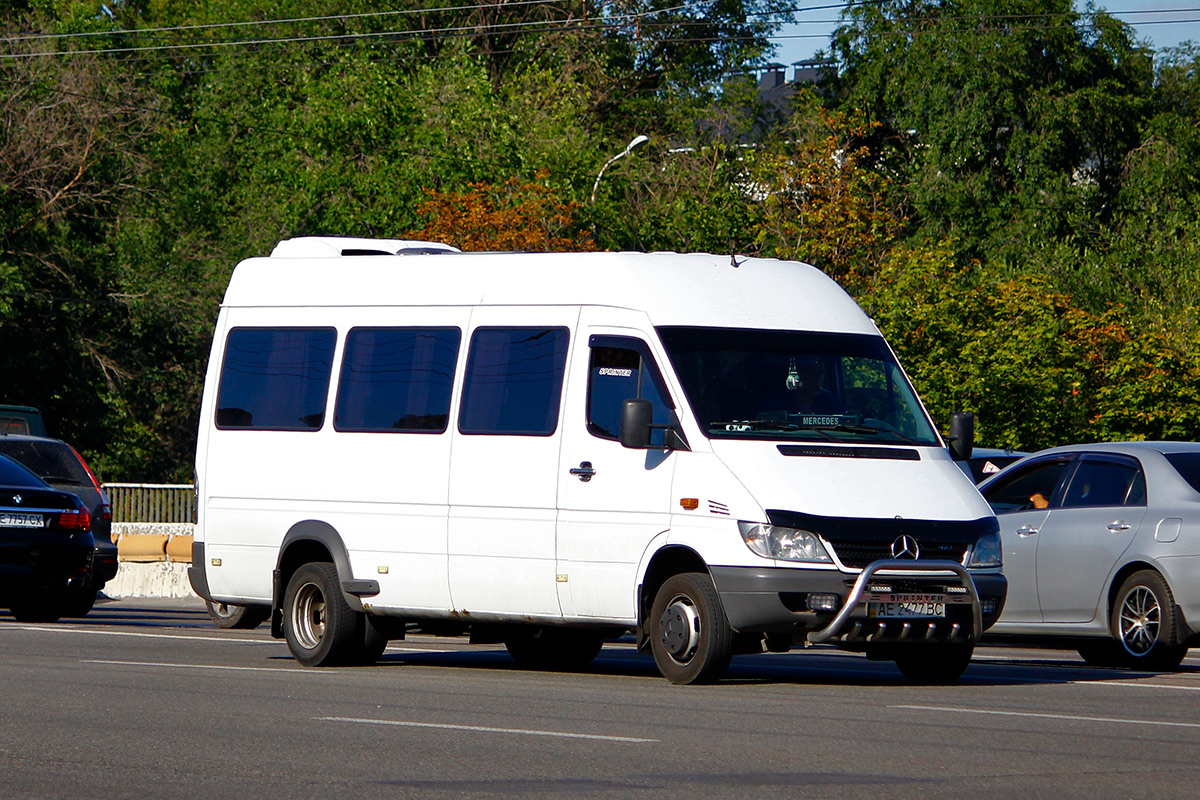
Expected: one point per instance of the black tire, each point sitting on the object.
(228, 616)
(320, 628)
(934, 664)
(689, 635)
(79, 603)
(554, 648)
(1101, 653)
(370, 641)
(38, 608)
(1144, 626)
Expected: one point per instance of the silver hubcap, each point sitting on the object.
(1141, 617)
(223, 610)
(679, 628)
(308, 616)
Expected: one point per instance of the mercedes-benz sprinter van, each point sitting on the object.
(550, 450)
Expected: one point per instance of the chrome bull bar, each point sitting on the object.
(890, 568)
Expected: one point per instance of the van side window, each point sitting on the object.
(275, 378)
(621, 369)
(397, 379)
(513, 381)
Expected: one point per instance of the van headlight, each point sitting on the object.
(987, 552)
(789, 544)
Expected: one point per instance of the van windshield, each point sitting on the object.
(796, 385)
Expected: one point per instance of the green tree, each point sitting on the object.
(1008, 122)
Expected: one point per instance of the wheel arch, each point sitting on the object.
(305, 542)
(1184, 632)
(667, 561)
(1118, 579)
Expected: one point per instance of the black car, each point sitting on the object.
(46, 546)
(61, 466)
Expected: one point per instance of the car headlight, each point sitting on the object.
(987, 552)
(789, 544)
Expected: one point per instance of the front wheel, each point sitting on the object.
(226, 615)
(319, 626)
(1144, 624)
(689, 636)
(934, 663)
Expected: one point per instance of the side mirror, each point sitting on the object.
(962, 435)
(636, 416)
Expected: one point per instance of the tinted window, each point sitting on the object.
(275, 378)
(513, 381)
(397, 379)
(1102, 483)
(13, 474)
(619, 371)
(1031, 487)
(1188, 466)
(53, 461)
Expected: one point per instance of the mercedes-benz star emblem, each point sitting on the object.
(906, 547)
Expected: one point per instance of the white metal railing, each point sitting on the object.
(152, 502)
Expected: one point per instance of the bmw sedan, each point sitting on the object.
(1102, 550)
(46, 545)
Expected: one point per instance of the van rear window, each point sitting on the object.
(513, 381)
(275, 378)
(397, 379)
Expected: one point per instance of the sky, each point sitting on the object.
(1164, 23)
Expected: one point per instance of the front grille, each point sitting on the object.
(859, 553)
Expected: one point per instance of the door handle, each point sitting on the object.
(1119, 526)
(584, 471)
(1026, 530)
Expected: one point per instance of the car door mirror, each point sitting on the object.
(636, 418)
(962, 435)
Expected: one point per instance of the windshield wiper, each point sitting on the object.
(739, 425)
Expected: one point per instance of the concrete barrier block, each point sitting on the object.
(179, 548)
(143, 547)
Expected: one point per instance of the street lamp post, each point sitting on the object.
(637, 141)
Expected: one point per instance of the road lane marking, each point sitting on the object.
(1129, 685)
(483, 729)
(85, 631)
(1071, 717)
(290, 671)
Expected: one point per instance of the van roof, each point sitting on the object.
(671, 288)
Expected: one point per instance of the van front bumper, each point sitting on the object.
(775, 599)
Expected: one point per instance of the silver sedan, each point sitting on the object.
(1102, 550)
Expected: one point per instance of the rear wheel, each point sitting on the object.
(934, 663)
(38, 608)
(689, 636)
(1144, 624)
(320, 628)
(226, 615)
(79, 602)
(554, 648)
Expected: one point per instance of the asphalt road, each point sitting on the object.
(146, 699)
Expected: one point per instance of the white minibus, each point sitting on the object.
(715, 454)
